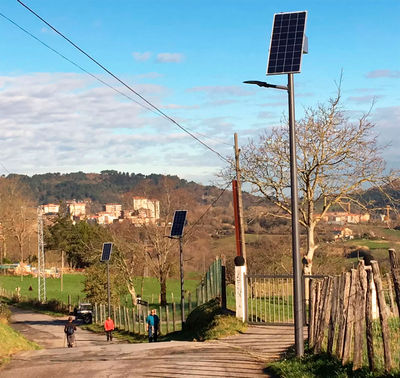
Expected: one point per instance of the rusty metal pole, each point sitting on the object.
(239, 198)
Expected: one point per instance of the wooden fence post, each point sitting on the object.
(318, 289)
(321, 297)
(348, 336)
(69, 304)
(359, 325)
(325, 314)
(133, 320)
(189, 302)
(343, 307)
(382, 316)
(139, 320)
(161, 322)
(393, 307)
(167, 316)
(333, 317)
(395, 276)
(369, 320)
(173, 316)
(311, 310)
(95, 313)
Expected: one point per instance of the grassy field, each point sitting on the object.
(372, 244)
(73, 285)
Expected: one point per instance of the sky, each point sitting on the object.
(189, 58)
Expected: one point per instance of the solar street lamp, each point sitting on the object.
(177, 233)
(105, 256)
(288, 43)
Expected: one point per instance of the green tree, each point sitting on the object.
(95, 285)
(81, 242)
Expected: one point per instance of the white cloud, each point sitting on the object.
(217, 91)
(368, 99)
(383, 73)
(65, 122)
(170, 57)
(141, 57)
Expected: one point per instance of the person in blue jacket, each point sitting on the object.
(152, 325)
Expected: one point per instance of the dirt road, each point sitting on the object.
(94, 357)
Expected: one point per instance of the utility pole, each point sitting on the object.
(239, 198)
(41, 265)
(240, 259)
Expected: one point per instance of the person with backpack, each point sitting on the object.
(152, 324)
(69, 330)
(109, 327)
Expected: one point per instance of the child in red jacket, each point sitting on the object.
(109, 327)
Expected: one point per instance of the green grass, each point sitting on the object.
(371, 244)
(392, 233)
(12, 342)
(311, 366)
(151, 289)
(74, 284)
(209, 322)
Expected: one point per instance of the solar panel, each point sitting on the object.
(106, 254)
(178, 223)
(287, 42)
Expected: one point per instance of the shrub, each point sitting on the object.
(208, 322)
(5, 312)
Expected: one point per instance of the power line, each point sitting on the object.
(97, 78)
(207, 210)
(76, 64)
(5, 168)
(123, 83)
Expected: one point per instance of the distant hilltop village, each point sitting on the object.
(143, 211)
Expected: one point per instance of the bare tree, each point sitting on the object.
(130, 254)
(17, 215)
(162, 252)
(336, 158)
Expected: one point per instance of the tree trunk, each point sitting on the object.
(163, 291)
(311, 247)
(132, 292)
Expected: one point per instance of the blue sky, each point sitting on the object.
(189, 58)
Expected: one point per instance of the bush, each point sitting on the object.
(208, 322)
(5, 312)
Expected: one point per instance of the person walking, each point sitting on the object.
(109, 327)
(152, 324)
(69, 330)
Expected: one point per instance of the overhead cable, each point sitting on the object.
(123, 83)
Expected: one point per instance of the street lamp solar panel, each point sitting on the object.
(287, 41)
(106, 254)
(178, 223)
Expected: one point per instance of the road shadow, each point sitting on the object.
(55, 322)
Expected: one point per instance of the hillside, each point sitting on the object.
(110, 186)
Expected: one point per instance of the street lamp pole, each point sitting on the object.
(297, 274)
